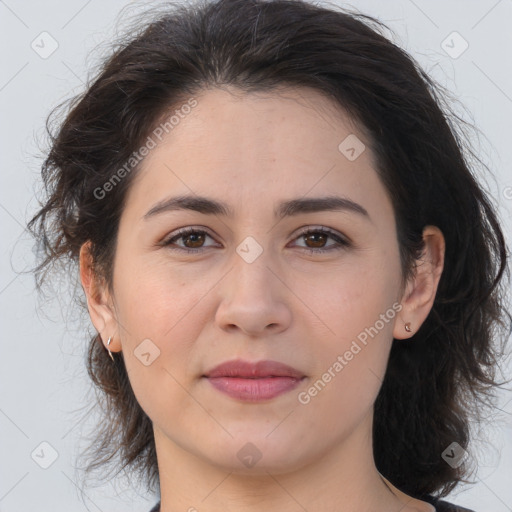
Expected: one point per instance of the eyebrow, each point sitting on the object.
(288, 208)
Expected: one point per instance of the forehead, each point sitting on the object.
(292, 123)
(249, 148)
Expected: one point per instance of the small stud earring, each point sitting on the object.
(408, 327)
(110, 353)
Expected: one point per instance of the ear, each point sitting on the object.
(421, 289)
(99, 300)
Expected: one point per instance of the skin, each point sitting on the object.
(304, 309)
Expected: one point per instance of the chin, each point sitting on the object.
(259, 455)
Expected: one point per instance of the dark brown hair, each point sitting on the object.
(437, 382)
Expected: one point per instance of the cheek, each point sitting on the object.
(151, 299)
(157, 338)
(355, 298)
(153, 314)
(358, 311)
(351, 363)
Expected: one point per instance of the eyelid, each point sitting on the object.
(329, 231)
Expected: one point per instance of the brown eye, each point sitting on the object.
(192, 239)
(316, 239)
(195, 239)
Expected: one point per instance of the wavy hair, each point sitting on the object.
(436, 383)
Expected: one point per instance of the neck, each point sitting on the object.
(343, 478)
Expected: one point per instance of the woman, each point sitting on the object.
(295, 279)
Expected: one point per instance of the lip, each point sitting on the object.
(254, 382)
(248, 370)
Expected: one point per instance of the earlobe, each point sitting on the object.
(420, 293)
(97, 295)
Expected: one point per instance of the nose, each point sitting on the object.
(254, 299)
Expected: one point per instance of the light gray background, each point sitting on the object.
(43, 381)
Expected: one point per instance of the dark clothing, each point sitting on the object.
(440, 505)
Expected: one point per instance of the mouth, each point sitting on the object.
(254, 382)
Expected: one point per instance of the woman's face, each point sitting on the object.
(256, 288)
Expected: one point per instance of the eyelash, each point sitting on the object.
(341, 242)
